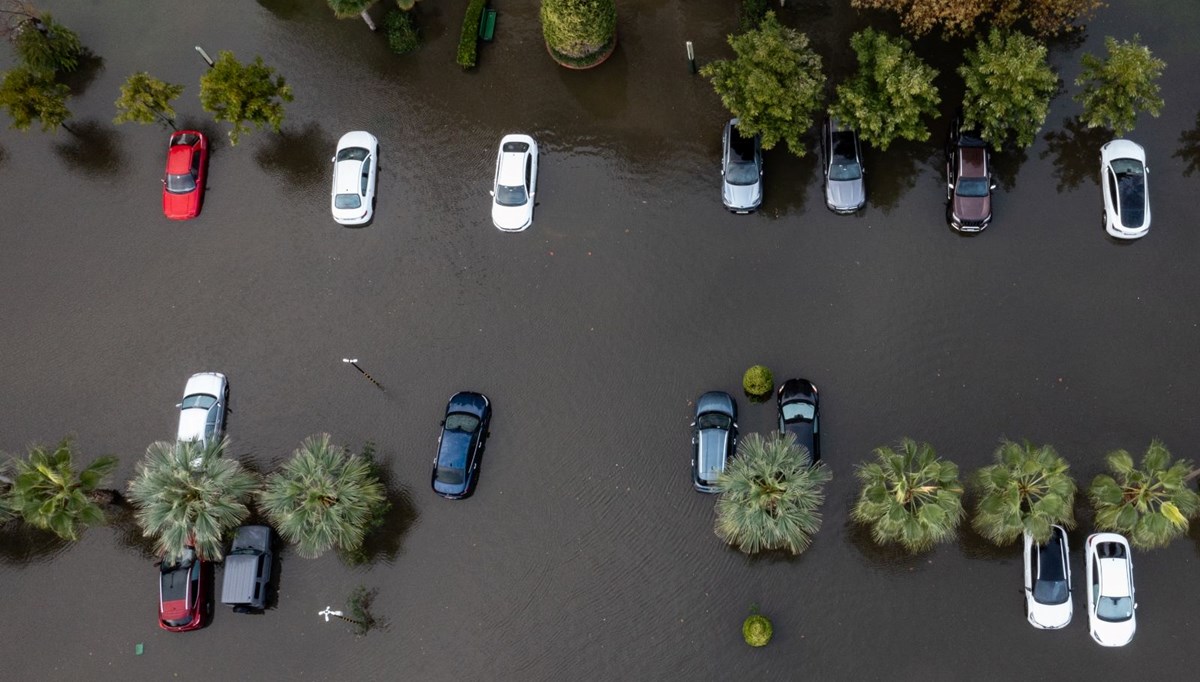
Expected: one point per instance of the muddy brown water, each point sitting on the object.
(584, 554)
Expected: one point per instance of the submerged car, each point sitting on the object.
(799, 415)
(355, 166)
(203, 409)
(968, 179)
(247, 570)
(1123, 174)
(741, 170)
(1110, 598)
(187, 170)
(460, 445)
(515, 184)
(714, 438)
(841, 157)
(181, 593)
(1048, 581)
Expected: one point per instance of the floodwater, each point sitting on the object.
(584, 554)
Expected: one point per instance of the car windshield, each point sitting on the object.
(511, 195)
(465, 423)
(352, 154)
(1114, 609)
(1131, 185)
(798, 410)
(347, 201)
(845, 169)
(180, 184)
(713, 420)
(741, 173)
(450, 475)
(972, 187)
(198, 401)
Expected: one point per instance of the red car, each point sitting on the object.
(187, 170)
(181, 597)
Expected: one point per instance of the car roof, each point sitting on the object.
(512, 169)
(741, 148)
(973, 161)
(1114, 577)
(843, 144)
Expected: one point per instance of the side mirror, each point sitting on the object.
(333, 159)
(993, 186)
(178, 404)
(949, 185)
(693, 423)
(491, 193)
(443, 422)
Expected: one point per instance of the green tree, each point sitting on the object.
(46, 45)
(48, 493)
(325, 497)
(30, 95)
(348, 9)
(1027, 490)
(1117, 88)
(770, 496)
(1009, 86)
(579, 32)
(145, 99)
(960, 17)
(244, 93)
(186, 493)
(891, 92)
(774, 85)
(1150, 505)
(910, 496)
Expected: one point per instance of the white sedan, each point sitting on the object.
(202, 411)
(1048, 581)
(515, 184)
(1110, 598)
(355, 166)
(1123, 175)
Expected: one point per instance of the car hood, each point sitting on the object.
(175, 613)
(845, 195)
(191, 424)
(742, 197)
(972, 208)
(512, 218)
(181, 206)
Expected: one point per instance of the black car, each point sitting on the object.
(714, 438)
(968, 179)
(799, 415)
(460, 445)
(841, 160)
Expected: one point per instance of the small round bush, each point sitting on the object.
(579, 33)
(758, 381)
(757, 630)
(402, 34)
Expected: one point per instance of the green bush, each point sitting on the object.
(402, 34)
(468, 43)
(750, 12)
(579, 31)
(757, 630)
(758, 381)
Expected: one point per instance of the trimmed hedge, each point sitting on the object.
(402, 34)
(757, 630)
(758, 382)
(468, 43)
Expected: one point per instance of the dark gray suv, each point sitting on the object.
(714, 439)
(248, 570)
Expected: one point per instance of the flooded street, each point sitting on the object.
(584, 554)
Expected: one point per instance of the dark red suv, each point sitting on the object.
(968, 179)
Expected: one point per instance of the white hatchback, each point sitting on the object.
(1110, 598)
(1123, 175)
(1048, 581)
(515, 184)
(202, 411)
(355, 166)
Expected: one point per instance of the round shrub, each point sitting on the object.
(402, 34)
(758, 381)
(579, 33)
(757, 630)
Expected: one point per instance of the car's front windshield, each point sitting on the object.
(741, 173)
(352, 154)
(798, 410)
(347, 201)
(713, 420)
(972, 187)
(198, 400)
(844, 169)
(1114, 609)
(180, 184)
(511, 195)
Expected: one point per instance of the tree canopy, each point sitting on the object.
(1027, 490)
(890, 93)
(243, 94)
(962, 17)
(1117, 88)
(1008, 87)
(29, 95)
(49, 493)
(1150, 504)
(774, 85)
(46, 45)
(910, 496)
(145, 99)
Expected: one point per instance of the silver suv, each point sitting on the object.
(741, 170)
(248, 570)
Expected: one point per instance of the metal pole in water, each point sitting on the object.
(354, 363)
(691, 57)
(204, 56)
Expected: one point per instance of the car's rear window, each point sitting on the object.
(347, 201)
(200, 400)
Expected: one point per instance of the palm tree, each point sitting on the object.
(770, 496)
(48, 493)
(324, 497)
(186, 493)
(1150, 505)
(1027, 490)
(912, 496)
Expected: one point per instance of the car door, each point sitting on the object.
(531, 172)
(368, 179)
(1114, 203)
